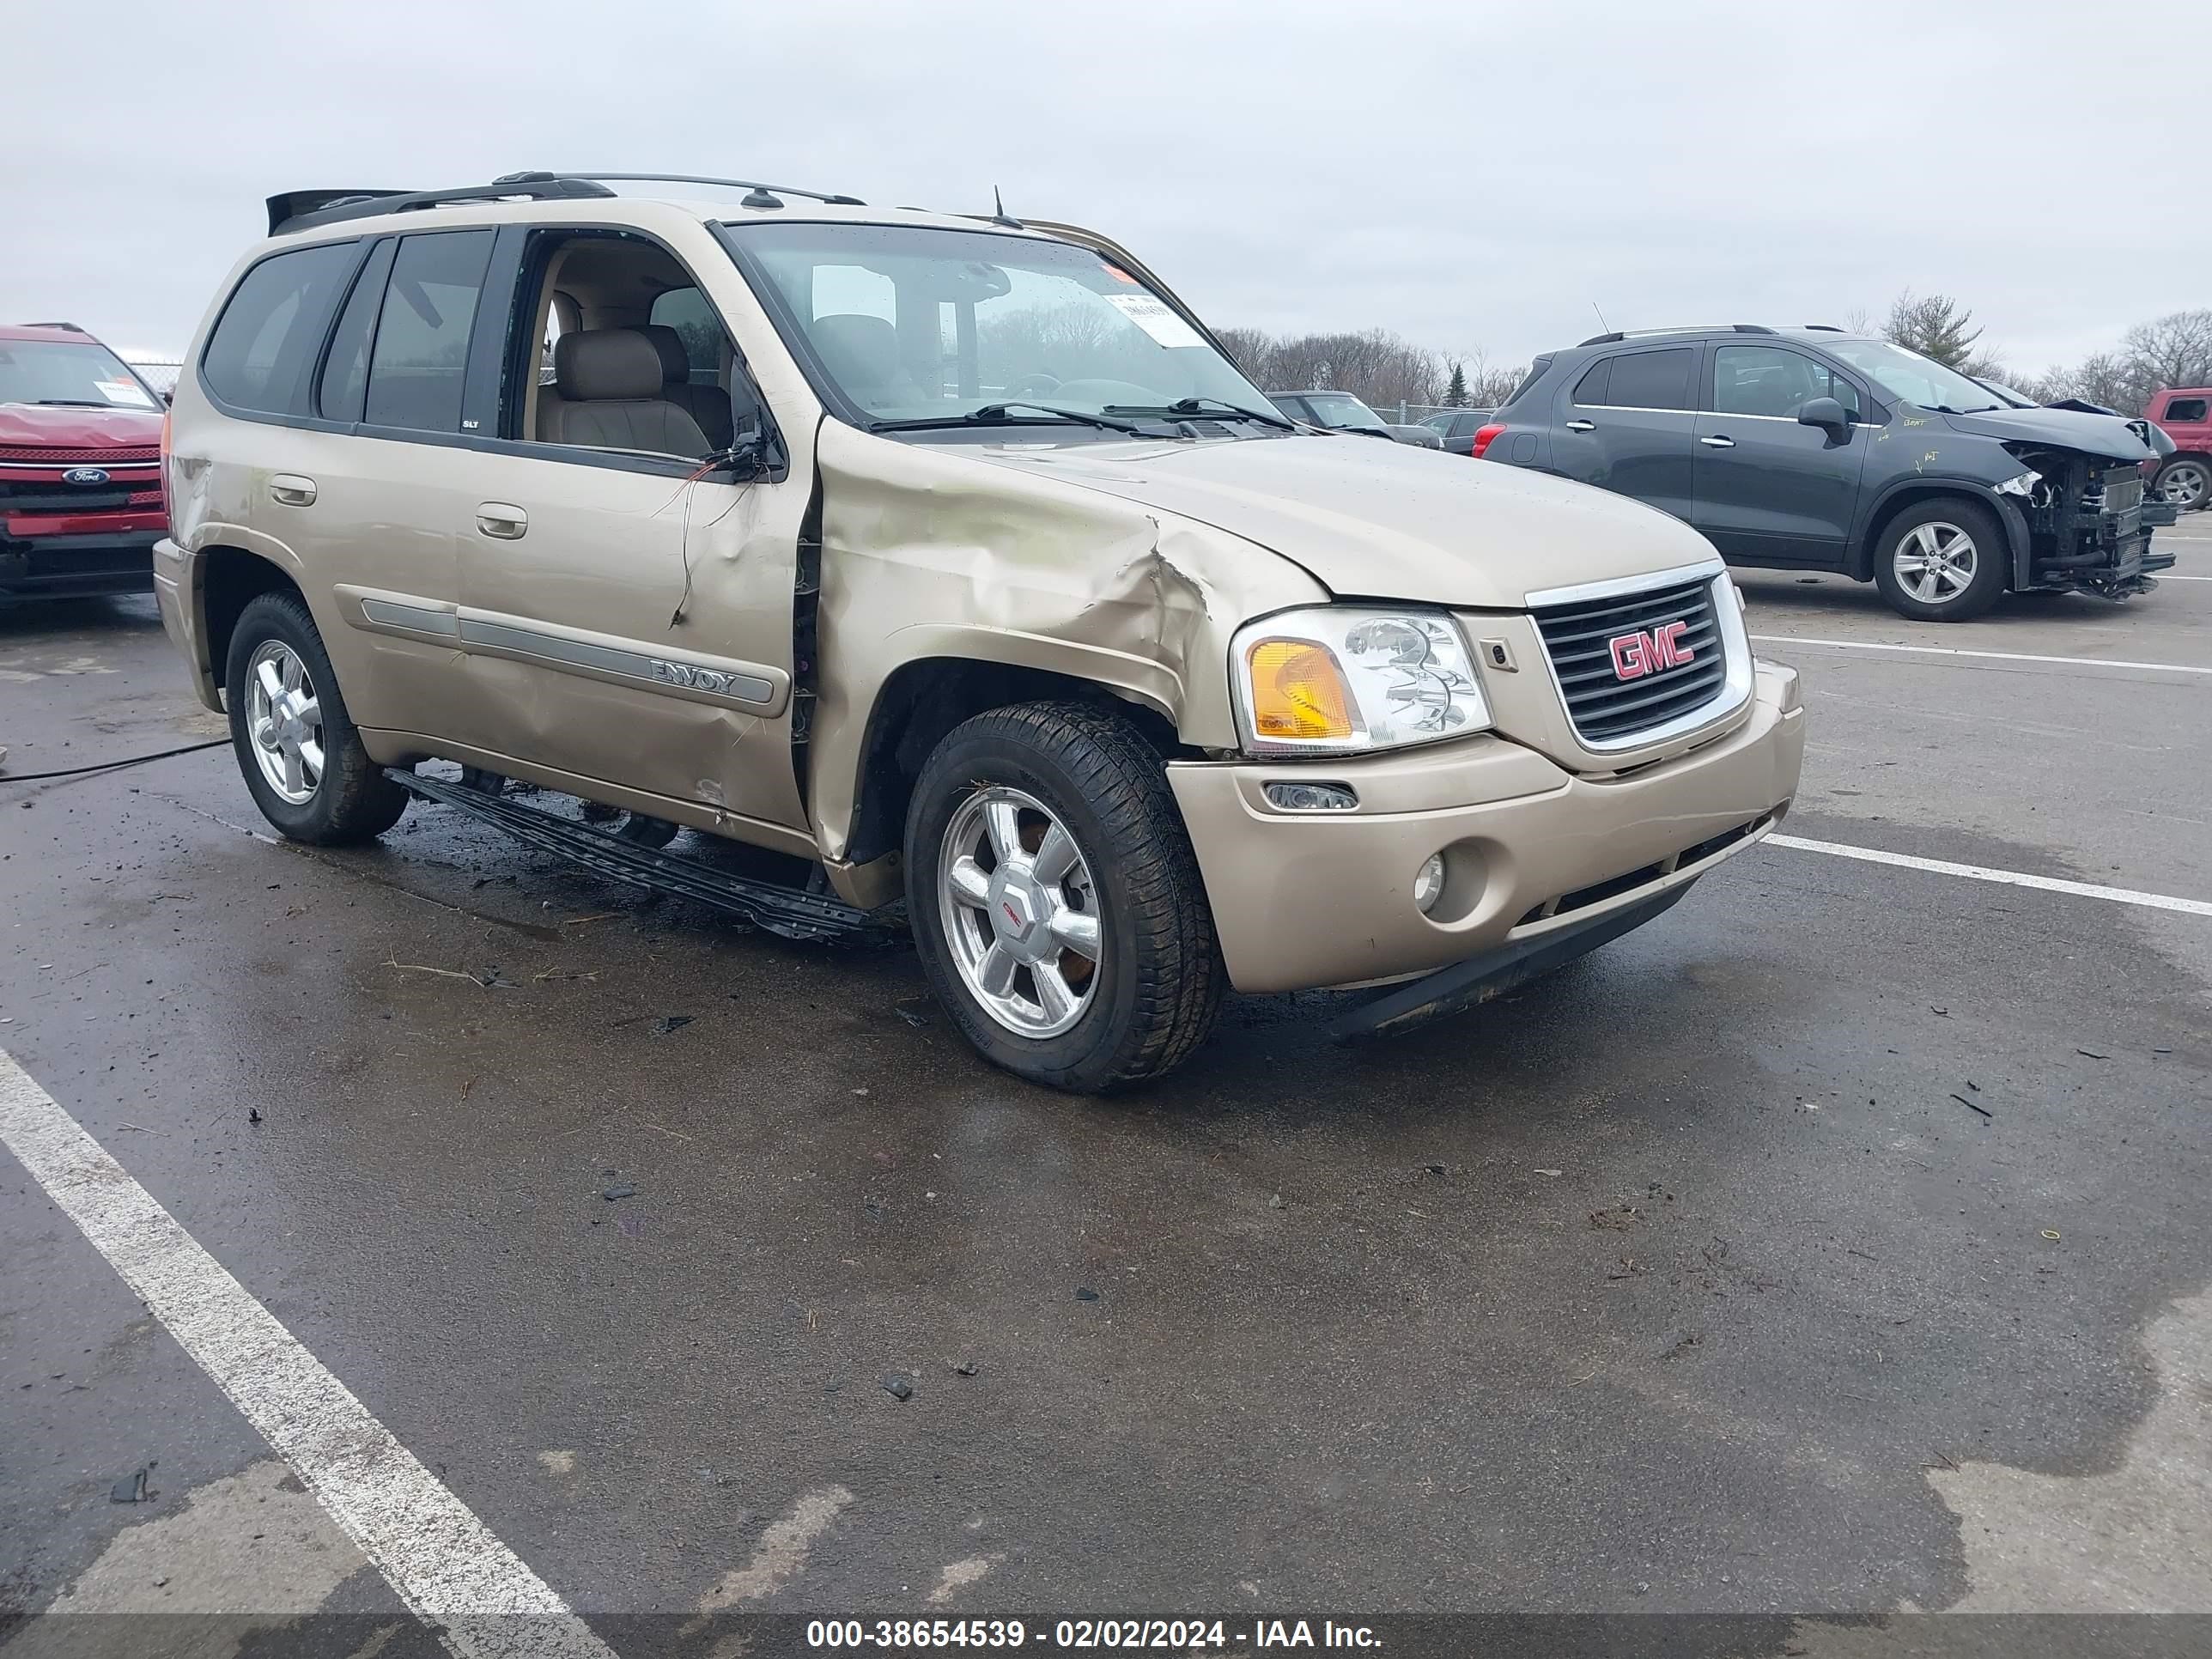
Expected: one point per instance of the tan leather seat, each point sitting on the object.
(609, 382)
(862, 353)
(710, 405)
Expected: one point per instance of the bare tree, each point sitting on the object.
(1375, 364)
(2174, 350)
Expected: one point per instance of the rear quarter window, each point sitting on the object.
(262, 354)
(2185, 408)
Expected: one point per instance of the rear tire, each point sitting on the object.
(1123, 880)
(1943, 560)
(2185, 482)
(298, 748)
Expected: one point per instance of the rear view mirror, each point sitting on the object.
(1824, 412)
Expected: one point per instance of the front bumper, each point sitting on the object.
(71, 567)
(1308, 899)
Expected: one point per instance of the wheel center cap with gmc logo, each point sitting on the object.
(1017, 912)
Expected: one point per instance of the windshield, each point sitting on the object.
(1909, 375)
(1340, 409)
(64, 371)
(914, 323)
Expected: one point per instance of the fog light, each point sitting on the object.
(1429, 884)
(1312, 797)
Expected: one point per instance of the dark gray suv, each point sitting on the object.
(1812, 449)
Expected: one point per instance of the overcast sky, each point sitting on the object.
(1472, 176)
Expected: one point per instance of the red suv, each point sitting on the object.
(81, 503)
(2185, 478)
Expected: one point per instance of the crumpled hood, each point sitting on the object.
(1383, 520)
(50, 428)
(2061, 429)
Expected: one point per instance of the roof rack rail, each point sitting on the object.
(71, 327)
(1823, 328)
(1620, 334)
(830, 198)
(305, 210)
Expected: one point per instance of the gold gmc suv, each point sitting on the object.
(955, 557)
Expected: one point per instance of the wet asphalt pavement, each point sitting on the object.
(1683, 1280)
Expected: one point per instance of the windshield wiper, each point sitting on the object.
(1000, 414)
(72, 402)
(1215, 408)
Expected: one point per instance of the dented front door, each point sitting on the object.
(633, 628)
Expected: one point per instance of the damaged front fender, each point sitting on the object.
(930, 551)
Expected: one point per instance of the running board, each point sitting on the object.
(784, 911)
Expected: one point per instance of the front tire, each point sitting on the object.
(1942, 561)
(299, 750)
(1055, 899)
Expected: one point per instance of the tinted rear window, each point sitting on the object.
(263, 351)
(1651, 379)
(1535, 374)
(2185, 409)
(422, 351)
(1590, 389)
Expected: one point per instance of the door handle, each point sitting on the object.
(291, 489)
(1718, 442)
(497, 519)
(1582, 426)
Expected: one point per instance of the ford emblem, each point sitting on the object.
(85, 475)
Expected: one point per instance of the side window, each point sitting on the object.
(262, 353)
(1591, 388)
(1465, 426)
(345, 370)
(421, 355)
(1765, 381)
(2185, 408)
(1651, 379)
(686, 311)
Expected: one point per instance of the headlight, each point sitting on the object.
(1337, 681)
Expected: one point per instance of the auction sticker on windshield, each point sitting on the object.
(1154, 316)
(123, 392)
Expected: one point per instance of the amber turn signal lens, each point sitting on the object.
(1298, 691)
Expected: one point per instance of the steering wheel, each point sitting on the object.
(1030, 384)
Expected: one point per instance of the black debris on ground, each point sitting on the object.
(132, 1488)
(1085, 1293)
(624, 1190)
(668, 1023)
(899, 1388)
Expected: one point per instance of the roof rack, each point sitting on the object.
(1823, 328)
(71, 327)
(1620, 334)
(305, 210)
(831, 198)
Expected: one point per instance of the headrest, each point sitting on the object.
(859, 350)
(675, 361)
(606, 364)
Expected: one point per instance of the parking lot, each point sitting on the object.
(1835, 1244)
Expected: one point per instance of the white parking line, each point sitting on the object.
(2006, 878)
(2001, 656)
(446, 1566)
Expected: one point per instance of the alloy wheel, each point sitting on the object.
(1020, 912)
(284, 718)
(1935, 562)
(2185, 484)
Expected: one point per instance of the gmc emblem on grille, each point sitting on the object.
(1652, 652)
(85, 475)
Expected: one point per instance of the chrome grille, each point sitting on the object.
(1606, 707)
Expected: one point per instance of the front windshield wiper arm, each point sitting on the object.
(72, 402)
(1000, 414)
(1216, 408)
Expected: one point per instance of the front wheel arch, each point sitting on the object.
(1900, 498)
